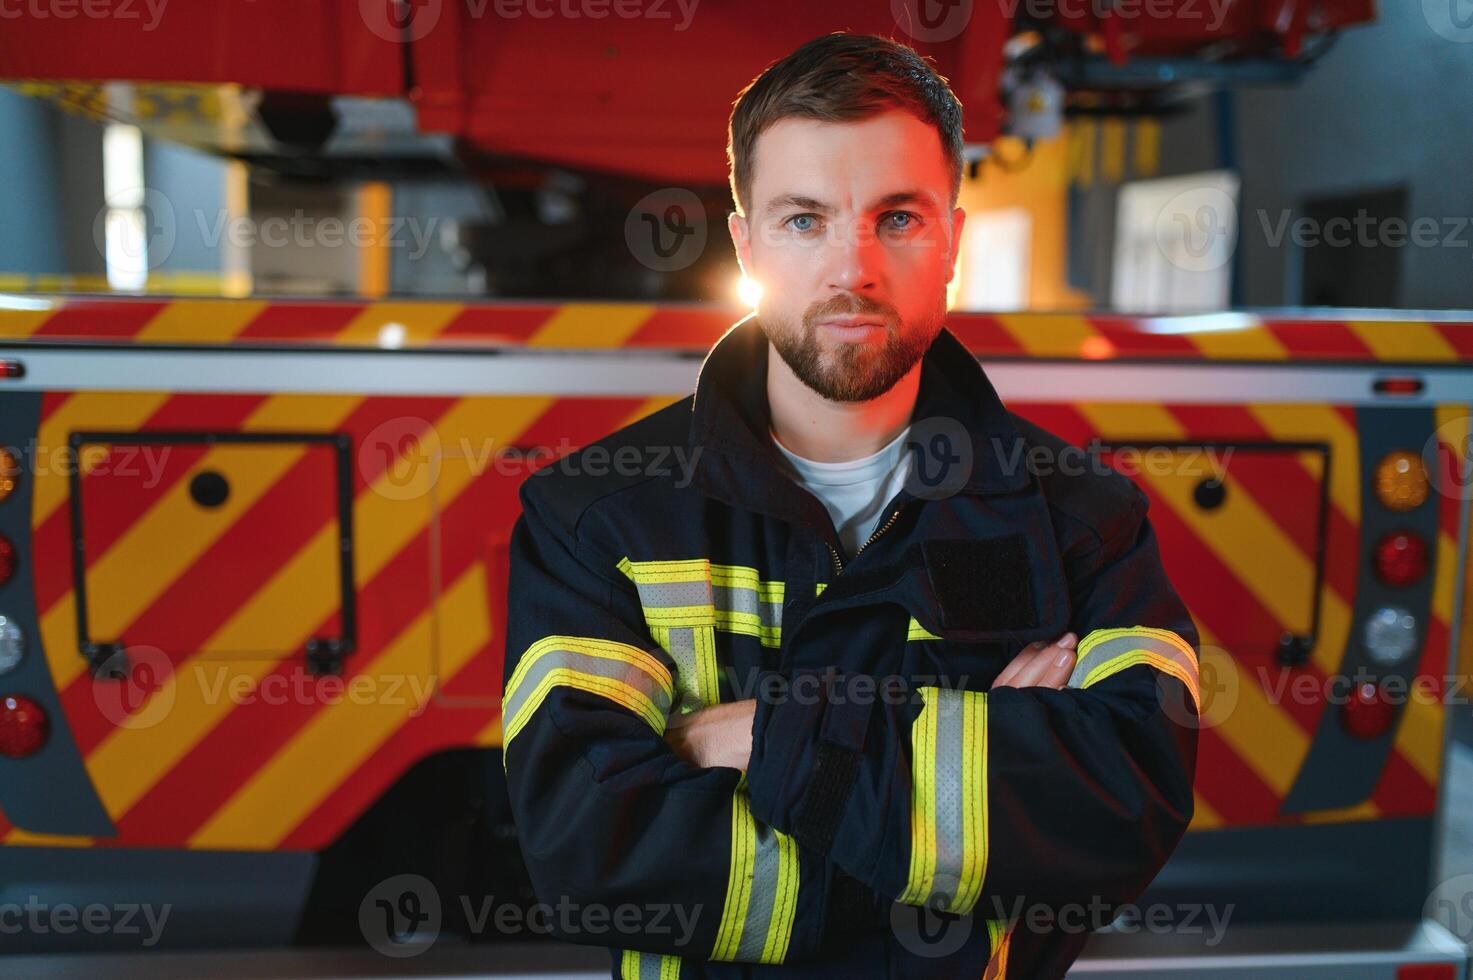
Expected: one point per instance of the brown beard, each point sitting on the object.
(856, 372)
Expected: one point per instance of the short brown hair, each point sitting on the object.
(842, 77)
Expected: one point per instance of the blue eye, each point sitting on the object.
(902, 220)
(793, 222)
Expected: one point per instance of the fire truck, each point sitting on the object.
(253, 593)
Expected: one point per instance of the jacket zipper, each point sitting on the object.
(839, 565)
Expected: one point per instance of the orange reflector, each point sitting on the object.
(9, 473)
(1401, 483)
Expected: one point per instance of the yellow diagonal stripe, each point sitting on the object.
(200, 321)
(592, 325)
(1252, 342)
(1049, 334)
(127, 763)
(139, 566)
(20, 324)
(341, 737)
(1403, 340)
(123, 410)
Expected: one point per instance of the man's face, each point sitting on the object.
(850, 233)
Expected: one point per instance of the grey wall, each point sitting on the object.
(1392, 104)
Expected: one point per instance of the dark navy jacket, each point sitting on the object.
(897, 818)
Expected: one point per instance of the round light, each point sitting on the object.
(1368, 713)
(12, 644)
(9, 473)
(1401, 558)
(1391, 635)
(1401, 483)
(23, 726)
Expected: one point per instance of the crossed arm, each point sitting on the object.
(1063, 792)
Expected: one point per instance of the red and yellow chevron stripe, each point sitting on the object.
(1207, 337)
(1246, 570)
(231, 593)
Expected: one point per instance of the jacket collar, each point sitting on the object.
(730, 418)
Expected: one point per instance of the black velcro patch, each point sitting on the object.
(982, 585)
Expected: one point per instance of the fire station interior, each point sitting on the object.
(256, 257)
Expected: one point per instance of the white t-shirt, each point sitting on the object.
(855, 491)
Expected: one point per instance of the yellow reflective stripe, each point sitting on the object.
(761, 891)
(915, 631)
(948, 857)
(1104, 653)
(700, 605)
(634, 965)
(624, 674)
(999, 939)
(738, 879)
(922, 806)
(974, 801)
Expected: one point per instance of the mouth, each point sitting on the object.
(853, 327)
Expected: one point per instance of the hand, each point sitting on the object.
(718, 736)
(1041, 664)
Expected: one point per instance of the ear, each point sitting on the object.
(741, 237)
(958, 221)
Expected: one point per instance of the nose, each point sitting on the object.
(856, 259)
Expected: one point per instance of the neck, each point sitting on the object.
(824, 431)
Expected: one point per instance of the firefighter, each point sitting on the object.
(879, 684)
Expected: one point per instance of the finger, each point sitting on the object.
(1023, 659)
(1051, 667)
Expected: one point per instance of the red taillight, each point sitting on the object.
(23, 726)
(1368, 714)
(7, 559)
(1401, 558)
(1427, 971)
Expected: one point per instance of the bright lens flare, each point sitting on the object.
(749, 291)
